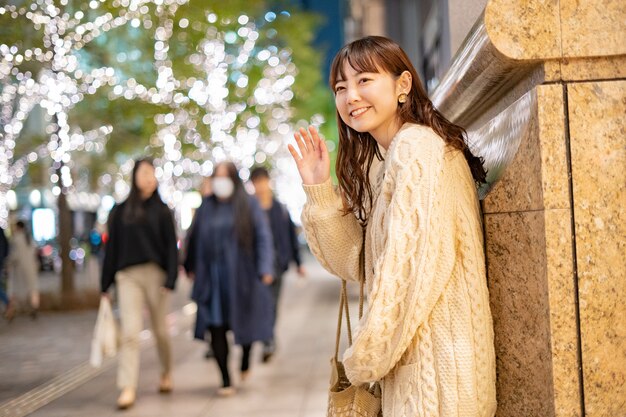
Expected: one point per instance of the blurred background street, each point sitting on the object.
(45, 371)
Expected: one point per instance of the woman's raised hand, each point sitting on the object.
(313, 161)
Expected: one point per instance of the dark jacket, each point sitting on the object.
(284, 234)
(4, 249)
(247, 300)
(151, 239)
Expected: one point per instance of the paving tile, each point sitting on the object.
(292, 384)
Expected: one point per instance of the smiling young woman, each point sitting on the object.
(427, 335)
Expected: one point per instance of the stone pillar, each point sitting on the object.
(527, 220)
(597, 131)
(541, 87)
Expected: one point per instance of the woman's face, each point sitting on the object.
(262, 186)
(221, 171)
(145, 179)
(368, 102)
(222, 184)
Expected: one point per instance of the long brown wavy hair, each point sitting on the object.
(357, 150)
(244, 226)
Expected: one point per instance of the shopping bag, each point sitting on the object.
(104, 340)
(345, 399)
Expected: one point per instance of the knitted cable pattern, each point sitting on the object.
(427, 333)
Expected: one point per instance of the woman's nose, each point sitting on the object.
(352, 95)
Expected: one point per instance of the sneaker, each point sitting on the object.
(165, 385)
(126, 399)
(226, 391)
(268, 351)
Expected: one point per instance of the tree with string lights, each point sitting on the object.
(188, 84)
(41, 68)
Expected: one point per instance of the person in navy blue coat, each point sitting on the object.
(230, 257)
(286, 247)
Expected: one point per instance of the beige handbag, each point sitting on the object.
(345, 399)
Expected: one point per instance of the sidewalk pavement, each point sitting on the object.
(86, 289)
(43, 363)
(34, 351)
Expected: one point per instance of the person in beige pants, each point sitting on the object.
(141, 258)
(137, 286)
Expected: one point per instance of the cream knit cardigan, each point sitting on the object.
(427, 333)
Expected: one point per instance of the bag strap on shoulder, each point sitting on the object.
(343, 300)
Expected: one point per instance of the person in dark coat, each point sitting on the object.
(141, 258)
(285, 241)
(230, 257)
(9, 311)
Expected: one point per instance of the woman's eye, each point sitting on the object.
(339, 88)
(364, 80)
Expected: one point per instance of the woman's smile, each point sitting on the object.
(358, 112)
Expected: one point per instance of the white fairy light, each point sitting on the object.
(57, 88)
(247, 120)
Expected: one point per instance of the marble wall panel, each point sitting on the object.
(593, 27)
(552, 70)
(563, 324)
(520, 187)
(597, 114)
(522, 29)
(517, 268)
(550, 29)
(592, 69)
(553, 149)
(537, 177)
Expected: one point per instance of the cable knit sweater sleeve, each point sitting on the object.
(334, 238)
(407, 276)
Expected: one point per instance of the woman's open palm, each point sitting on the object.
(313, 161)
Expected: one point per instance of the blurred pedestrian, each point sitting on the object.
(24, 268)
(427, 335)
(206, 190)
(286, 248)
(9, 309)
(141, 259)
(230, 257)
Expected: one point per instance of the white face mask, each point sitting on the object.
(223, 187)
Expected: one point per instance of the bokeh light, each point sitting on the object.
(221, 111)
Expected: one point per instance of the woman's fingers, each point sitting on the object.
(310, 156)
(309, 140)
(322, 146)
(314, 136)
(301, 144)
(318, 142)
(309, 143)
(296, 156)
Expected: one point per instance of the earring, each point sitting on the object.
(402, 98)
